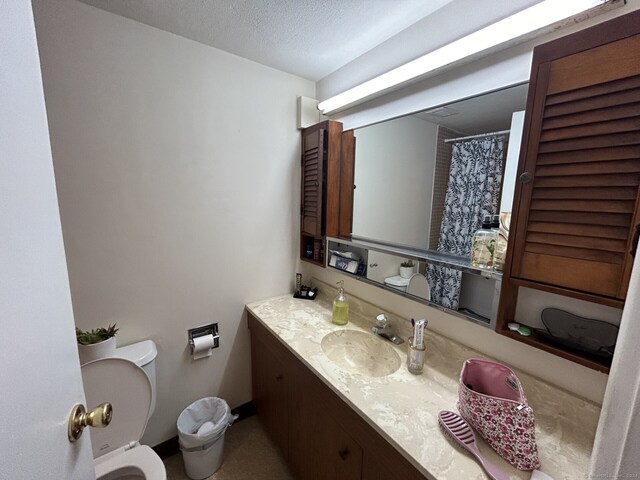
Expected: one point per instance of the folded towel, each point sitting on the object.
(347, 255)
(347, 265)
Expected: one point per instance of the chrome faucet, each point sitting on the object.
(383, 328)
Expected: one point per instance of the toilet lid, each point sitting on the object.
(397, 281)
(127, 388)
(419, 286)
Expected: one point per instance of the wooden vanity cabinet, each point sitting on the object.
(318, 446)
(270, 393)
(326, 201)
(577, 207)
(320, 436)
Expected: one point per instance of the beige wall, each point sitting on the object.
(177, 172)
(394, 178)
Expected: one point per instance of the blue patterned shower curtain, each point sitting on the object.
(473, 190)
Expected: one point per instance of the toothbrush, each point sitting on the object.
(456, 427)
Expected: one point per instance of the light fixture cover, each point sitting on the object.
(543, 14)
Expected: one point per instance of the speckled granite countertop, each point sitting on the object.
(404, 407)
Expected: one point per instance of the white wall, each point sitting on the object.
(394, 178)
(178, 180)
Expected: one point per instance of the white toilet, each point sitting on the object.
(416, 285)
(397, 282)
(127, 381)
(419, 286)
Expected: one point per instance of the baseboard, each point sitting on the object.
(170, 447)
(243, 411)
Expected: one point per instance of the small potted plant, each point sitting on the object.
(406, 269)
(96, 343)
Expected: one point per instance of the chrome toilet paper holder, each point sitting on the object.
(210, 329)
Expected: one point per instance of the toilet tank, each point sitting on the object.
(144, 355)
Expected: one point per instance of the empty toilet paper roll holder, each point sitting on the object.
(211, 329)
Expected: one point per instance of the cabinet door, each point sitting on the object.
(319, 447)
(373, 469)
(270, 395)
(347, 177)
(580, 173)
(349, 455)
(312, 181)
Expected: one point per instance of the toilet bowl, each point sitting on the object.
(117, 452)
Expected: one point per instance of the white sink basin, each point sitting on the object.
(360, 352)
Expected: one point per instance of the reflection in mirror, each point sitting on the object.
(424, 181)
(402, 166)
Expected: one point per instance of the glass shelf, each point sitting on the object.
(363, 247)
(430, 256)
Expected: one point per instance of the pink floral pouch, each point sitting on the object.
(491, 399)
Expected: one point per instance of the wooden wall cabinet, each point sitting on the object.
(328, 156)
(320, 436)
(577, 208)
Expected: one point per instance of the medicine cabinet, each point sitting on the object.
(326, 197)
(577, 205)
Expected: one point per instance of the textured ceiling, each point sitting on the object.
(484, 113)
(308, 38)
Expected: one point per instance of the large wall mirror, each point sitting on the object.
(416, 175)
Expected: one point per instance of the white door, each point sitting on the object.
(39, 369)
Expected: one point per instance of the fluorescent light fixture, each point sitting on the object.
(522, 23)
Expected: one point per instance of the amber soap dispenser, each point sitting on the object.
(340, 314)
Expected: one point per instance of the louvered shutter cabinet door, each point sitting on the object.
(312, 182)
(578, 206)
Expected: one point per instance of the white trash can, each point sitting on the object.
(201, 428)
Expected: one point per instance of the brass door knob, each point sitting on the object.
(99, 417)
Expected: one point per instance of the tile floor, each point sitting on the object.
(248, 455)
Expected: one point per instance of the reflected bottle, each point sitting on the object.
(500, 253)
(484, 244)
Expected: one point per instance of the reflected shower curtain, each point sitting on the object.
(473, 190)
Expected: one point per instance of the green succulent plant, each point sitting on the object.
(96, 335)
(408, 264)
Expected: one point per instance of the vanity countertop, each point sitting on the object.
(404, 408)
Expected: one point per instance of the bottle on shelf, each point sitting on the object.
(500, 252)
(483, 246)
